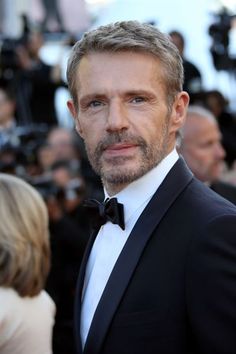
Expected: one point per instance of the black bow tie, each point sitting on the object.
(110, 210)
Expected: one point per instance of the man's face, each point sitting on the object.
(122, 115)
(60, 142)
(202, 149)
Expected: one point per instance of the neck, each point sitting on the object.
(113, 189)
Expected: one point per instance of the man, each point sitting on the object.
(192, 75)
(36, 84)
(65, 146)
(201, 144)
(215, 101)
(8, 130)
(202, 150)
(164, 280)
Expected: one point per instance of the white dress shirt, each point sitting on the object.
(111, 238)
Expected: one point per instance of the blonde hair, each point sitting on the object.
(24, 237)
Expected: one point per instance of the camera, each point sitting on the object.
(20, 149)
(47, 188)
(219, 32)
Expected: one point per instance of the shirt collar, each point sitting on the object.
(141, 190)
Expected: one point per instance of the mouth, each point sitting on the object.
(120, 149)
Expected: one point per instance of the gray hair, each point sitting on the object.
(200, 111)
(135, 37)
(192, 112)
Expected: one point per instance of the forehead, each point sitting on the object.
(116, 68)
(200, 129)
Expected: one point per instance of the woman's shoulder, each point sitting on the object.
(10, 298)
(45, 298)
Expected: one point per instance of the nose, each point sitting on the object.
(219, 151)
(117, 118)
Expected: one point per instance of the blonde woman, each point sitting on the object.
(26, 310)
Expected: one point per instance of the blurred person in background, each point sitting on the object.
(192, 75)
(35, 81)
(69, 230)
(52, 21)
(26, 312)
(63, 188)
(215, 101)
(8, 133)
(202, 149)
(9, 160)
(66, 145)
(45, 158)
(63, 143)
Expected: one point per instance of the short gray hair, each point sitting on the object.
(201, 112)
(192, 112)
(130, 36)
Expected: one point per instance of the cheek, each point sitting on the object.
(205, 157)
(87, 125)
(195, 157)
(196, 153)
(201, 158)
(90, 137)
(152, 132)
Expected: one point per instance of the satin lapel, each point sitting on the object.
(175, 182)
(79, 290)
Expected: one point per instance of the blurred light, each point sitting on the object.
(217, 5)
(97, 2)
(230, 5)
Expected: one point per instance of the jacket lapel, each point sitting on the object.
(179, 177)
(79, 290)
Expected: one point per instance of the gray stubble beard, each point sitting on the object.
(150, 157)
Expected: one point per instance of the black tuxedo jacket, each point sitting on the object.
(173, 287)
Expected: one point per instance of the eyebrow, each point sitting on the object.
(140, 92)
(97, 96)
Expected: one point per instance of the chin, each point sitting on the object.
(122, 176)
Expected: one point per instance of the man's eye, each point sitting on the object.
(138, 99)
(95, 103)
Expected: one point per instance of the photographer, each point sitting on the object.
(35, 78)
(192, 76)
(64, 193)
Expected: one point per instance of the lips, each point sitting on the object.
(119, 149)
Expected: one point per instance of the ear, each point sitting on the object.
(74, 113)
(179, 110)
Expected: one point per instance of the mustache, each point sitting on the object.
(119, 137)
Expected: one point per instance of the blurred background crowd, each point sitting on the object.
(37, 138)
